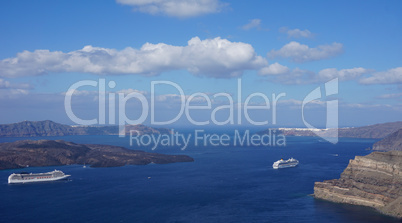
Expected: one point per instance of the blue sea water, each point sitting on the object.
(223, 184)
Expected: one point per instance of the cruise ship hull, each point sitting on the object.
(284, 166)
(35, 178)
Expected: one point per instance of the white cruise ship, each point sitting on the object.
(36, 177)
(285, 163)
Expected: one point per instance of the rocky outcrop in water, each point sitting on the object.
(24, 153)
(50, 128)
(374, 180)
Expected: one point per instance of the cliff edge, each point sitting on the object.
(374, 180)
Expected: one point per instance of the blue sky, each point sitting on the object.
(204, 46)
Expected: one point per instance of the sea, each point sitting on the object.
(226, 183)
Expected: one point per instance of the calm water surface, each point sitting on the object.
(224, 184)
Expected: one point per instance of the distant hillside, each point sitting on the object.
(376, 131)
(50, 128)
(391, 142)
(40, 128)
(24, 153)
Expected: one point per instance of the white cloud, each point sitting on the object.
(391, 96)
(130, 90)
(296, 33)
(176, 8)
(366, 105)
(343, 75)
(391, 76)
(282, 74)
(10, 90)
(219, 58)
(285, 75)
(291, 102)
(254, 23)
(12, 93)
(297, 76)
(296, 104)
(4, 84)
(274, 69)
(81, 93)
(96, 93)
(164, 99)
(302, 53)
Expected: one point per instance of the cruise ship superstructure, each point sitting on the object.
(285, 163)
(36, 177)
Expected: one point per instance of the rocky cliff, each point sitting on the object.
(24, 153)
(392, 142)
(50, 128)
(374, 180)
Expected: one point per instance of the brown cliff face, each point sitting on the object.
(374, 180)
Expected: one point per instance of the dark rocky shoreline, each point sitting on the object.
(25, 153)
